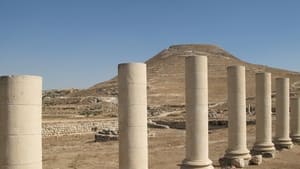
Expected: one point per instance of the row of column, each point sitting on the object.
(21, 104)
(133, 115)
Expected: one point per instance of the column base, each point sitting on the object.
(296, 139)
(234, 162)
(266, 150)
(237, 154)
(196, 165)
(236, 159)
(283, 143)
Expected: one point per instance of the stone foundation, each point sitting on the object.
(64, 128)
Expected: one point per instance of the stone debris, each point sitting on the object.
(113, 135)
(256, 160)
(152, 124)
(226, 163)
(107, 135)
(238, 162)
(159, 110)
(213, 115)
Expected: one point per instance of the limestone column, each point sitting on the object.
(20, 122)
(295, 119)
(282, 138)
(133, 144)
(263, 106)
(196, 89)
(237, 138)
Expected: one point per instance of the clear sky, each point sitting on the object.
(77, 43)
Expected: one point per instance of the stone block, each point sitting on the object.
(256, 160)
(238, 163)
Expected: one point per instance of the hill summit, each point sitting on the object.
(165, 75)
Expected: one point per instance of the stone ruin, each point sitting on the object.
(112, 134)
(237, 155)
(21, 101)
(107, 135)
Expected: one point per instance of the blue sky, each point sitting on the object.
(77, 43)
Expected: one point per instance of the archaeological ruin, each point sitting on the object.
(133, 144)
(295, 119)
(237, 134)
(282, 137)
(21, 122)
(197, 114)
(263, 104)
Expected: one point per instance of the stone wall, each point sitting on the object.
(62, 128)
(212, 124)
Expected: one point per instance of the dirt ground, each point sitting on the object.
(166, 151)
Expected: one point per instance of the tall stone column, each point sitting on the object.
(263, 106)
(237, 137)
(282, 138)
(196, 89)
(295, 119)
(133, 144)
(20, 122)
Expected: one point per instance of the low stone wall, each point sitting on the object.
(63, 128)
(213, 124)
(175, 124)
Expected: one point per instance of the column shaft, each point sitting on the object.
(237, 138)
(197, 114)
(20, 122)
(133, 144)
(282, 138)
(263, 106)
(295, 119)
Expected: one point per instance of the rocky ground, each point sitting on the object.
(166, 150)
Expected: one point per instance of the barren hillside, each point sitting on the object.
(165, 73)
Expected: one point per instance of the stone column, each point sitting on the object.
(263, 106)
(20, 122)
(295, 119)
(282, 138)
(133, 144)
(237, 137)
(196, 89)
